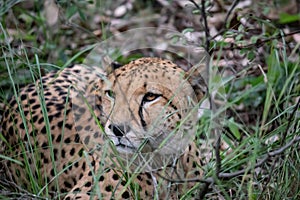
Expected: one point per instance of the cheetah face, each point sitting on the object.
(149, 106)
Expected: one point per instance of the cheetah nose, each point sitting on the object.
(119, 130)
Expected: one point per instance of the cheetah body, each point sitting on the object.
(73, 125)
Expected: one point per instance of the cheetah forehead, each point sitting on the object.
(149, 68)
(154, 75)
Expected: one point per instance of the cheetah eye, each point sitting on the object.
(110, 94)
(149, 96)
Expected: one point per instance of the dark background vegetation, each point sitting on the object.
(254, 44)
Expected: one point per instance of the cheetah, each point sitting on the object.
(84, 133)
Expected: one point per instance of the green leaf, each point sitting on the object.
(82, 15)
(187, 30)
(251, 55)
(239, 37)
(234, 128)
(196, 11)
(287, 18)
(71, 11)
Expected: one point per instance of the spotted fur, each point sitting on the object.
(80, 127)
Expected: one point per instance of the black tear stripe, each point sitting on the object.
(144, 125)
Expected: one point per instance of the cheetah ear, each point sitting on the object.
(109, 68)
(195, 78)
(109, 65)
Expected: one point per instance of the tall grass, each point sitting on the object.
(262, 117)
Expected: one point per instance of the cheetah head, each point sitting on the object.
(150, 105)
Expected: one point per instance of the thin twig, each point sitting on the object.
(207, 48)
(208, 180)
(236, 173)
(206, 30)
(257, 44)
(235, 3)
(207, 41)
(218, 156)
(262, 161)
